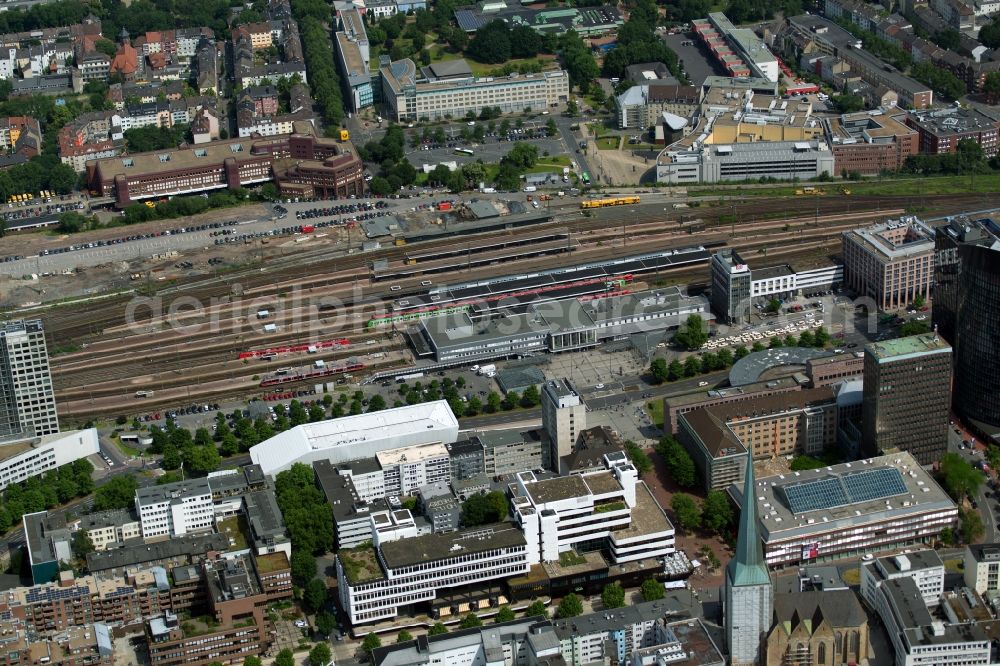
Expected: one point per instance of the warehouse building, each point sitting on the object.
(355, 437)
(849, 509)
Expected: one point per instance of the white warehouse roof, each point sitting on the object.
(362, 436)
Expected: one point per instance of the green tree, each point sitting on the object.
(303, 565)
(320, 654)
(716, 514)
(848, 103)
(570, 606)
(437, 629)
(806, 339)
(773, 305)
(376, 403)
(687, 512)
(651, 589)
(325, 623)
(536, 609)
(638, 457)
(252, 661)
(491, 43)
(971, 525)
(959, 478)
(371, 642)
(493, 402)
(504, 614)
(117, 493)
(481, 509)
(613, 596)
(82, 545)
(914, 327)
(531, 397)
(678, 462)
(658, 369)
(675, 370)
(693, 334)
(285, 658)
(404, 636)
(741, 352)
(692, 366)
(470, 621)
(314, 595)
(821, 337)
(991, 86)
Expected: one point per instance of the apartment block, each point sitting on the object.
(110, 528)
(907, 396)
(610, 509)
(27, 401)
(85, 645)
(892, 263)
(175, 509)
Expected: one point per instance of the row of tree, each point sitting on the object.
(308, 519)
(318, 51)
(47, 491)
(613, 594)
(714, 515)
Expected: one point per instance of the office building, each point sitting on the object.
(859, 507)
(982, 567)
(891, 263)
(267, 532)
(450, 89)
(110, 529)
(467, 459)
(175, 509)
(907, 395)
(719, 438)
(526, 642)
(353, 56)
(300, 164)
(731, 282)
(870, 142)
(818, 627)
(564, 417)
(966, 307)
(507, 452)
(407, 469)
(643, 105)
(924, 567)
(716, 163)
(918, 638)
(352, 523)
(354, 437)
(27, 401)
(941, 130)
(748, 593)
(47, 541)
(674, 406)
(23, 458)
(610, 510)
(412, 572)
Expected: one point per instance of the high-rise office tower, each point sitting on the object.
(748, 593)
(27, 401)
(966, 312)
(731, 282)
(907, 393)
(564, 417)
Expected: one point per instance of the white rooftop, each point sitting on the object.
(411, 454)
(361, 436)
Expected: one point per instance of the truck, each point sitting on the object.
(530, 188)
(263, 314)
(270, 328)
(319, 363)
(484, 369)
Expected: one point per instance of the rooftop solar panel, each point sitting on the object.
(832, 491)
(815, 495)
(874, 484)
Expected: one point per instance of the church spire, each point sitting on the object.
(747, 566)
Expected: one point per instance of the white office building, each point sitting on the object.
(924, 567)
(27, 401)
(920, 640)
(24, 458)
(355, 437)
(408, 468)
(374, 582)
(982, 567)
(586, 511)
(175, 509)
(564, 417)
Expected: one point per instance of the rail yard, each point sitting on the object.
(201, 338)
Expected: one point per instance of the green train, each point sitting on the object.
(414, 316)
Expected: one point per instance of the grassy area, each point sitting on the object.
(482, 69)
(851, 576)
(554, 160)
(954, 565)
(232, 528)
(126, 449)
(571, 558)
(655, 409)
(609, 143)
(899, 186)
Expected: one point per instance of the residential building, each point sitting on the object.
(891, 263)
(748, 593)
(298, 162)
(923, 566)
(907, 397)
(783, 160)
(379, 9)
(21, 135)
(849, 509)
(27, 401)
(185, 549)
(966, 300)
(719, 438)
(91, 136)
(610, 510)
(941, 130)
(414, 571)
(175, 509)
(408, 468)
(24, 456)
(870, 142)
(86, 645)
(110, 529)
(818, 627)
(564, 417)
(917, 638)
(353, 437)
(186, 40)
(410, 95)
(982, 567)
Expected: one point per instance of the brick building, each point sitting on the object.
(869, 142)
(941, 130)
(892, 263)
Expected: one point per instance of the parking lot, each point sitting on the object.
(489, 150)
(695, 59)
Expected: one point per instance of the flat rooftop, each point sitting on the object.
(558, 489)
(748, 370)
(411, 454)
(895, 239)
(434, 547)
(951, 121)
(912, 561)
(172, 492)
(844, 497)
(898, 349)
(702, 396)
(647, 516)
